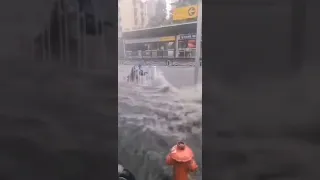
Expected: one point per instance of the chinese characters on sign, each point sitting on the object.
(187, 36)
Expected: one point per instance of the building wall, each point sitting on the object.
(126, 14)
(133, 14)
(151, 8)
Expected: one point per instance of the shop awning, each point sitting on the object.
(170, 30)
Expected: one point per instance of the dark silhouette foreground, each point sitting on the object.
(54, 123)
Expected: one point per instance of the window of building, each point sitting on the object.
(135, 12)
(146, 10)
(191, 43)
(182, 44)
(167, 45)
(135, 20)
(171, 45)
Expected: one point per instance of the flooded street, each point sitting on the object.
(153, 118)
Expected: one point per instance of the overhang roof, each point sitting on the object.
(169, 30)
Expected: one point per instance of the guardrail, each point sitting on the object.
(151, 54)
(182, 53)
(159, 62)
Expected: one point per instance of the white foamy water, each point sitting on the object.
(153, 118)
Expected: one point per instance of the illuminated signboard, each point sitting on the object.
(168, 38)
(183, 13)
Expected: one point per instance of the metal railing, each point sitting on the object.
(186, 53)
(151, 54)
(182, 53)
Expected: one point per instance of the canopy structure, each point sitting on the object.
(162, 31)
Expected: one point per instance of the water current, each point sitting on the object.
(151, 119)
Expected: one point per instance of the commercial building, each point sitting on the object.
(175, 40)
(150, 8)
(169, 42)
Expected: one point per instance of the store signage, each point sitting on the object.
(183, 13)
(167, 38)
(187, 36)
(149, 40)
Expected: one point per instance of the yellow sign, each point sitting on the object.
(168, 38)
(187, 12)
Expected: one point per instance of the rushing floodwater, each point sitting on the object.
(152, 119)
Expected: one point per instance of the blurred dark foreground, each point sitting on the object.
(265, 126)
(265, 130)
(261, 109)
(53, 123)
(53, 120)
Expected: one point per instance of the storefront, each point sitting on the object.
(186, 45)
(151, 47)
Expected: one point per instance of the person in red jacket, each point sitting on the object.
(182, 159)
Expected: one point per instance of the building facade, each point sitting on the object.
(135, 14)
(151, 6)
(131, 14)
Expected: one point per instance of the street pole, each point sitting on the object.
(198, 42)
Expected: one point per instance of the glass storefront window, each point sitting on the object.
(187, 44)
(182, 44)
(191, 43)
(171, 45)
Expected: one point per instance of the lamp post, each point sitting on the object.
(198, 42)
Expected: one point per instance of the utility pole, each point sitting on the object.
(198, 43)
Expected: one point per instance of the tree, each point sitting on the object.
(160, 14)
(182, 3)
